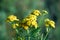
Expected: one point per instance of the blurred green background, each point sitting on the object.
(22, 8)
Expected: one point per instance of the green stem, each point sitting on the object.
(42, 37)
(16, 30)
(28, 38)
(47, 34)
(21, 38)
(28, 34)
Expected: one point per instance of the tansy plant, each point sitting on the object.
(28, 28)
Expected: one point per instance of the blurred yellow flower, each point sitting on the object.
(15, 25)
(31, 20)
(12, 18)
(28, 23)
(25, 26)
(32, 17)
(36, 12)
(34, 23)
(52, 23)
(49, 23)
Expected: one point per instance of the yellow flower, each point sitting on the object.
(26, 27)
(29, 19)
(15, 25)
(52, 23)
(32, 17)
(28, 23)
(13, 18)
(49, 23)
(34, 23)
(36, 12)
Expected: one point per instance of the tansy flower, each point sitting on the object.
(32, 17)
(52, 23)
(30, 20)
(15, 25)
(36, 12)
(28, 23)
(25, 26)
(34, 23)
(12, 18)
(49, 23)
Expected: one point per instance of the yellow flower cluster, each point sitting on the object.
(15, 25)
(49, 23)
(12, 18)
(31, 20)
(36, 12)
